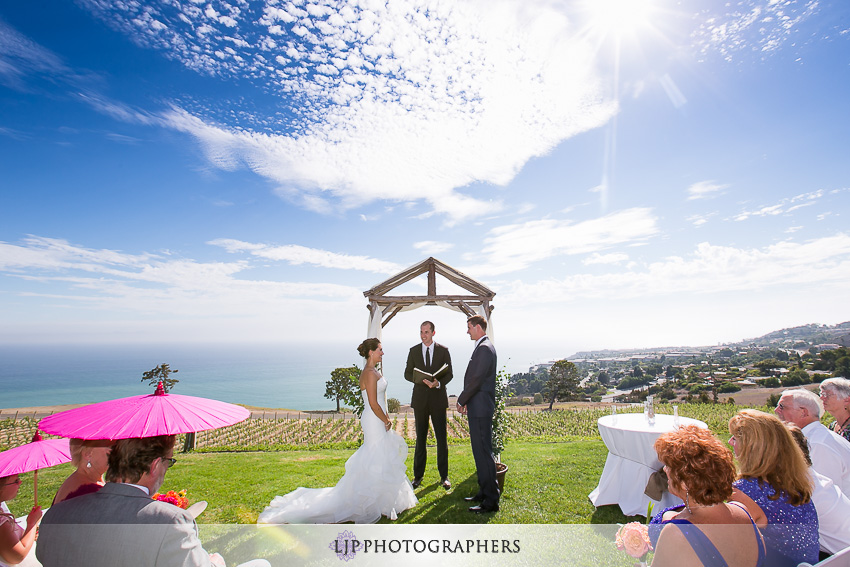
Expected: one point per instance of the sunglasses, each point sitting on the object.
(169, 462)
(11, 483)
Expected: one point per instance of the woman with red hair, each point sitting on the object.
(706, 530)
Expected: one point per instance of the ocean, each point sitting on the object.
(290, 376)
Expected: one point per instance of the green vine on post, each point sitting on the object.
(500, 426)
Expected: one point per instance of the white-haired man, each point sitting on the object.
(830, 453)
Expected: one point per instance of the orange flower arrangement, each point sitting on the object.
(177, 498)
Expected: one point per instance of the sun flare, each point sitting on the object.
(618, 17)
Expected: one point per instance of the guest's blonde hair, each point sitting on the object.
(767, 452)
(77, 446)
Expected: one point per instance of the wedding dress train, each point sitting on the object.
(375, 482)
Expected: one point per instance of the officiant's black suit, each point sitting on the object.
(430, 403)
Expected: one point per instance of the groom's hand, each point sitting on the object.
(461, 410)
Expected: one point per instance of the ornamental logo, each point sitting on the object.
(345, 545)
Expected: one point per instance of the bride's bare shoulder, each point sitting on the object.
(369, 374)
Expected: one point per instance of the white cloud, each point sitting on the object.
(751, 26)
(698, 220)
(296, 255)
(784, 206)
(704, 189)
(118, 282)
(597, 258)
(515, 247)
(391, 104)
(432, 247)
(19, 56)
(708, 269)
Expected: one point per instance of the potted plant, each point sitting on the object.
(500, 427)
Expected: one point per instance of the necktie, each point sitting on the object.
(427, 358)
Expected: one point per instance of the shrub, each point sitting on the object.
(393, 405)
(538, 398)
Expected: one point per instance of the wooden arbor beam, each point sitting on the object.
(391, 305)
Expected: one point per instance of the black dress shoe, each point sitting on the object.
(417, 482)
(475, 498)
(482, 509)
(446, 483)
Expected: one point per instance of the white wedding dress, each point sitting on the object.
(375, 482)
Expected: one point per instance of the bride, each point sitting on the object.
(375, 483)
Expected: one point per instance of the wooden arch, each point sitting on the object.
(383, 307)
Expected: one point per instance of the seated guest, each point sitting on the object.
(91, 460)
(15, 541)
(830, 453)
(775, 486)
(835, 395)
(121, 525)
(705, 530)
(833, 507)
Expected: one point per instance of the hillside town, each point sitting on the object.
(785, 358)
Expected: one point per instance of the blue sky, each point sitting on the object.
(621, 173)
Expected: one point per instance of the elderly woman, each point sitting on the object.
(705, 530)
(91, 460)
(832, 505)
(835, 395)
(15, 541)
(775, 486)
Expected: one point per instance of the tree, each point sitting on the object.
(563, 382)
(842, 367)
(603, 378)
(795, 377)
(767, 365)
(160, 374)
(344, 386)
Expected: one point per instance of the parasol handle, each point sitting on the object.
(35, 488)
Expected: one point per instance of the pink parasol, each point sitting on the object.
(39, 454)
(144, 416)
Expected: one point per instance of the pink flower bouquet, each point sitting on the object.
(633, 538)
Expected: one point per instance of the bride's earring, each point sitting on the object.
(88, 465)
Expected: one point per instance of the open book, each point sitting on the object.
(419, 375)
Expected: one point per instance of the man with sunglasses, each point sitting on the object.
(121, 525)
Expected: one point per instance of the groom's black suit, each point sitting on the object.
(479, 397)
(430, 403)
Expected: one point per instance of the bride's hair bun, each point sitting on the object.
(368, 346)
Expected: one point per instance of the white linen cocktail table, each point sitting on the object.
(631, 460)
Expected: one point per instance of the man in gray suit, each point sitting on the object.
(120, 525)
(478, 402)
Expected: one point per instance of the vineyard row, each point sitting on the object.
(309, 430)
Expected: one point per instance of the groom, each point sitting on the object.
(429, 401)
(478, 402)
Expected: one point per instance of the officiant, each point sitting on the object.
(429, 367)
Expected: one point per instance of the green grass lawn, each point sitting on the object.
(546, 483)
